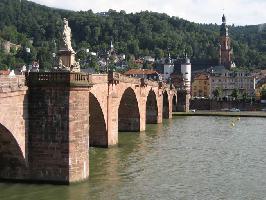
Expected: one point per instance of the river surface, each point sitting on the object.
(183, 158)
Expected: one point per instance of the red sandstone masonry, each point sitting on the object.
(78, 134)
(13, 127)
(59, 118)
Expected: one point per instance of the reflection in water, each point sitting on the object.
(183, 158)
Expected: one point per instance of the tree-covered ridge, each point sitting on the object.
(140, 34)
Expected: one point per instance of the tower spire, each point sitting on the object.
(223, 19)
(225, 50)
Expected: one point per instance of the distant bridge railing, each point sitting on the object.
(145, 82)
(71, 79)
(99, 78)
(116, 77)
(12, 83)
(67, 79)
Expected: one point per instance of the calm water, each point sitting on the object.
(184, 158)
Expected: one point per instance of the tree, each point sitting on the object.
(217, 92)
(235, 94)
(244, 96)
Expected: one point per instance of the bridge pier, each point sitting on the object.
(59, 127)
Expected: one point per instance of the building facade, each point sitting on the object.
(201, 86)
(260, 86)
(228, 81)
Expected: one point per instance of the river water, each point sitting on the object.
(183, 158)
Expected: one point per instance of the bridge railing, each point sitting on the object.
(145, 82)
(11, 84)
(117, 77)
(58, 79)
(99, 78)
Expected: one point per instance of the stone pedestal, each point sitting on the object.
(67, 61)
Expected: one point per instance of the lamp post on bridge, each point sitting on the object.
(27, 50)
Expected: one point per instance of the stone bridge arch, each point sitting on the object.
(97, 130)
(12, 161)
(174, 103)
(151, 108)
(129, 111)
(167, 99)
(165, 105)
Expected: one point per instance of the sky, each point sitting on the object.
(238, 12)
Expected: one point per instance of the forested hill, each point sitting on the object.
(140, 34)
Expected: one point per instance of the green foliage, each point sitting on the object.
(217, 92)
(244, 96)
(235, 94)
(139, 34)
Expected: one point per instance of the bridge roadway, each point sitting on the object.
(48, 122)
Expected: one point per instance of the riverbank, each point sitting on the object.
(222, 114)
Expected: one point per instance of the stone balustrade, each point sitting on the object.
(145, 82)
(116, 77)
(85, 80)
(99, 78)
(67, 79)
(12, 83)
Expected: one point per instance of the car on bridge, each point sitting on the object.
(234, 110)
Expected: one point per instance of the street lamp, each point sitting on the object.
(54, 55)
(27, 49)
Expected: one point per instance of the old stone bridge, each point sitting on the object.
(48, 122)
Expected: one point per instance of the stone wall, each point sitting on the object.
(49, 134)
(183, 101)
(206, 104)
(59, 134)
(13, 127)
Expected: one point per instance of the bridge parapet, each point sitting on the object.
(145, 82)
(99, 78)
(12, 84)
(67, 79)
(117, 77)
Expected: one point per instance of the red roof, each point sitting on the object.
(140, 71)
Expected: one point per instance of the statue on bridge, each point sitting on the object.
(66, 37)
(67, 61)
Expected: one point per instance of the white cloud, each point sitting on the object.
(239, 12)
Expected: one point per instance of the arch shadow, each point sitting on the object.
(128, 112)
(12, 161)
(151, 108)
(97, 131)
(174, 103)
(165, 105)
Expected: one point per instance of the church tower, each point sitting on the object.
(225, 52)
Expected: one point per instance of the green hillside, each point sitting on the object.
(140, 34)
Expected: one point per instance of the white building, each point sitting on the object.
(168, 68)
(228, 81)
(186, 72)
